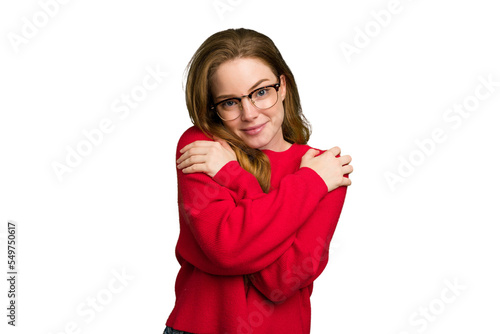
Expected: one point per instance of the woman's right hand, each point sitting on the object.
(205, 156)
(330, 168)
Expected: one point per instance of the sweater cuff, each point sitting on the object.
(317, 184)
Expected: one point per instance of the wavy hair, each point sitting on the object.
(229, 45)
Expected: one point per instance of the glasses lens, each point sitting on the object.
(229, 109)
(265, 98)
(262, 98)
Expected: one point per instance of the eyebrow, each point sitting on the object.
(221, 97)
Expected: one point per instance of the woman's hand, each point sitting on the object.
(330, 168)
(205, 156)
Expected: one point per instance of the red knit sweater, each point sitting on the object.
(248, 258)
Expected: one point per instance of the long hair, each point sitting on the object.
(229, 45)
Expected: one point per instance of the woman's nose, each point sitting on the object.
(248, 110)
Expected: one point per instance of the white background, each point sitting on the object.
(394, 248)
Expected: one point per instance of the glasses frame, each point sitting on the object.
(275, 86)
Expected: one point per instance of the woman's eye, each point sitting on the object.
(262, 92)
(229, 104)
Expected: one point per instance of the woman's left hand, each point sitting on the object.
(205, 156)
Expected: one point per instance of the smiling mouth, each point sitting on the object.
(254, 129)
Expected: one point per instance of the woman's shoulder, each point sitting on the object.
(190, 135)
(305, 147)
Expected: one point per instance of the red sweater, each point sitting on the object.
(248, 258)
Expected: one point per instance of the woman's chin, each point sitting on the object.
(255, 143)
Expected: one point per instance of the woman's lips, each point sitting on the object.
(254, 129)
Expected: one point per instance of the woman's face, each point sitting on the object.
(258, 128)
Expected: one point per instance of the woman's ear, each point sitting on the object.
(283, 87)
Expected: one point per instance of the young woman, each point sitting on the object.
(257, 206)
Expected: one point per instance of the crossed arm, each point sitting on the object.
(307, 257)
(232, 214)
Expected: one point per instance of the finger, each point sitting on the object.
(187, 147)
(347, 169)
(335, 150)
(311, 153)
(196, 159)
(194, 169)
(223, 143)
(197, 143)
(346, 182)
(345, 159)
(192, 152)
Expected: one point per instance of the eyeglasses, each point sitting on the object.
(262, 98)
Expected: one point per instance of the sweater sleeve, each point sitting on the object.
(238, 229)
(306, 259)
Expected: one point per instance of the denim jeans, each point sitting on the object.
(170, 330)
